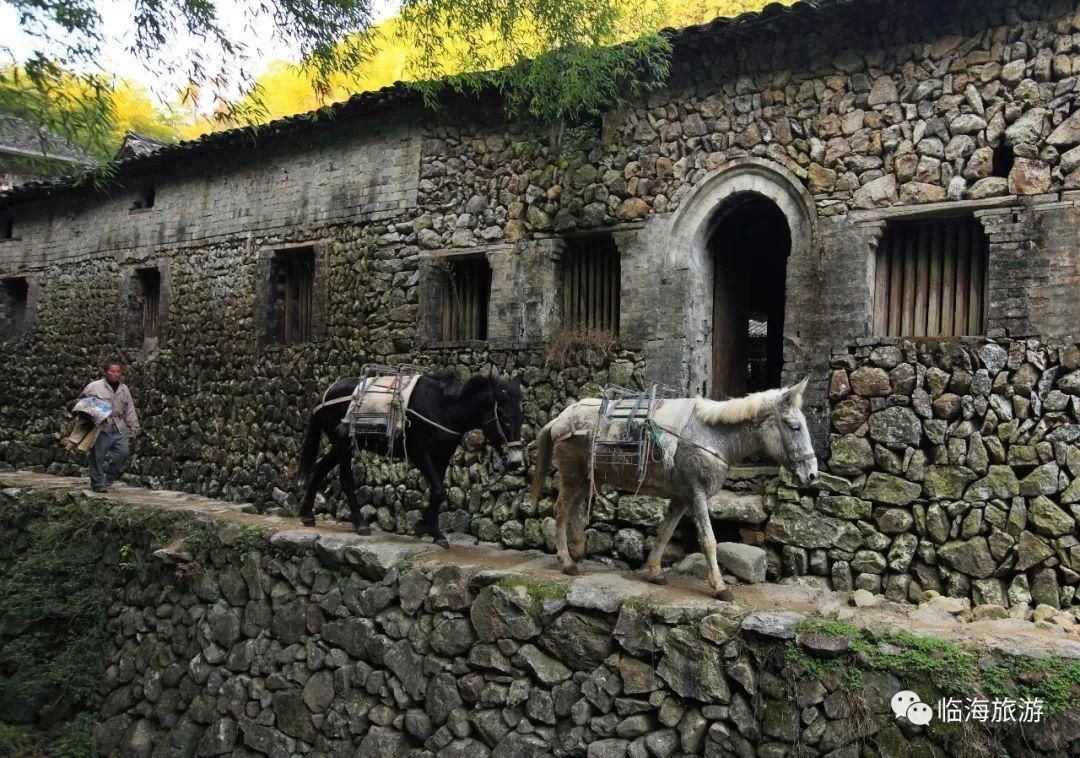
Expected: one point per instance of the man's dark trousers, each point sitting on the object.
(113, 444)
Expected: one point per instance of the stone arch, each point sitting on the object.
(691, 228)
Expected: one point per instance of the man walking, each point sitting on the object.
(122, 422)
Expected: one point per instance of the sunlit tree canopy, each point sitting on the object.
(552, 59)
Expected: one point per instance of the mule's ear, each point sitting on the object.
(793, 396)
(518, 380)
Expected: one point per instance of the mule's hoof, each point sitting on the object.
(725, 595)
(307, 520)
(442, 542)
(364, 530)
(571, 570)
(657, 579)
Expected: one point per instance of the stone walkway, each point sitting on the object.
(776, 606)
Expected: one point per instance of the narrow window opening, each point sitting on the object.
(292, 289)
(591, 276)
(145, 198)
(16, 292)
(931, 279)
(465, 299)
(150, 284)
(1003, 161)
(7, 228)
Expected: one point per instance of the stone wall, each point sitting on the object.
(859, 114)
(237, 639)
(955, 468)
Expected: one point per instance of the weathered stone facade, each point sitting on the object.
(843, 119)
(956, 469)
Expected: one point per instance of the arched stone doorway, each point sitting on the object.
(750, 242)
(731, 249)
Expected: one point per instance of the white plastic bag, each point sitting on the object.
(94, 407)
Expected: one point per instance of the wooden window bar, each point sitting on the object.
(150, 283)
(465, 303)
(591, 281)
(295, 285)
(931, 279)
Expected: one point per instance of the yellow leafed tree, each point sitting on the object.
(286, 88)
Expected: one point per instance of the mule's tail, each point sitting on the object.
(309, 451)
(543, 460)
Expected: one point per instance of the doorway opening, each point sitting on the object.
(750, 243)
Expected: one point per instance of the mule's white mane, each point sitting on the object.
(741, 409)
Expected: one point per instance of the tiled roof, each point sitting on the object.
(137, 145)
(20, 137)
(396, 94)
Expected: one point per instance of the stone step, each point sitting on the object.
(745, 473)
(741, 508)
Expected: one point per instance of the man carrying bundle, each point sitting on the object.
(112, 441)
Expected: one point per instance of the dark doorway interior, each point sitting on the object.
(750, 244)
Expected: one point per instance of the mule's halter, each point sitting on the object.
(498, 424)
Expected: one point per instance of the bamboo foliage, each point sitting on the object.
(591, 289)
(931, 279)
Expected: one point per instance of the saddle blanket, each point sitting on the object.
(583, 417)
(378, 396)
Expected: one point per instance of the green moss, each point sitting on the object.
(406, 564)
(944, 666)
(911, 657)
(923, 659)
(852, 680)
(16, 741)
(816, 667)
(540, 590)
(831, 627)
(640, 604)
(248, 540)
(76, 741)
(1054, 680)
(59, 581)
(197, 539)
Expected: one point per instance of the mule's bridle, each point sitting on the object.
(498, 425)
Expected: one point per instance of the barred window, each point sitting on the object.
(149, 286)
(591, 276)
(465, 299)
(292, 286)
(931, 279)
(15, 297)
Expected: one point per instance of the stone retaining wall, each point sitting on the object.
(956, 468)
(241, 641)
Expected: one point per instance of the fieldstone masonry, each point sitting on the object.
(847, 117)
(247, 637)
(955, 468)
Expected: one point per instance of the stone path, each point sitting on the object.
(776, 607)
